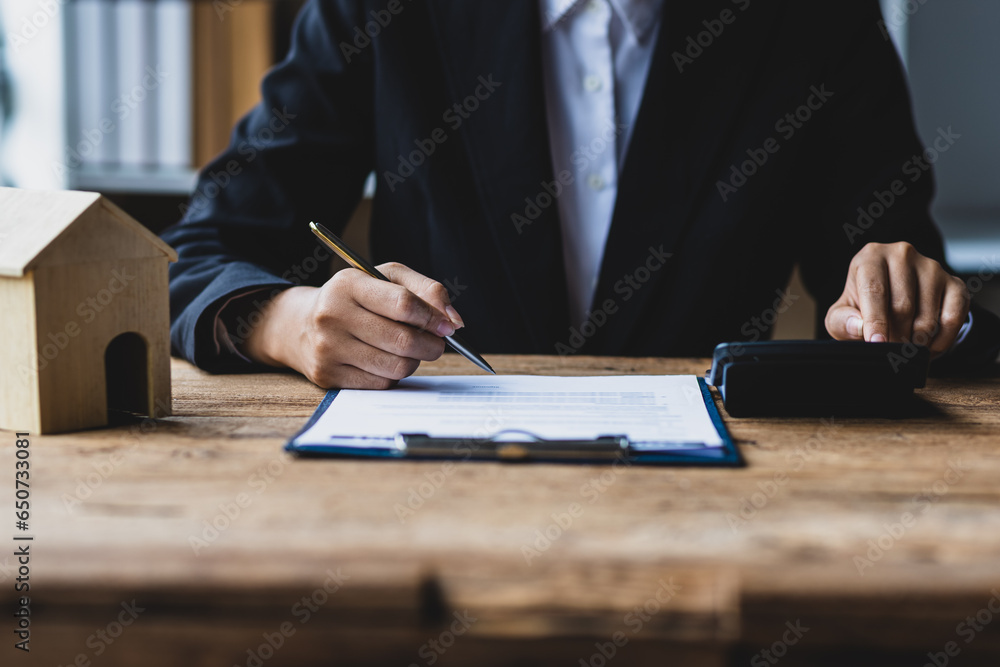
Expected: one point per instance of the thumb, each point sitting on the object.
(844, 322)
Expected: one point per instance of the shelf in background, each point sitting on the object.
(134, 180)
(972, 243)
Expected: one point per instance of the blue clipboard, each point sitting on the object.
(524, 448)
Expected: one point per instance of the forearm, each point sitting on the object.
(277, 330)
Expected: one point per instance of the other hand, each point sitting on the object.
(895, 294)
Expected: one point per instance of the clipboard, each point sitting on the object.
(514, 446)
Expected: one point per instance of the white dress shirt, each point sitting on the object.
(595, 59)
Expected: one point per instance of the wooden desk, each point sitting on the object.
(116, 514)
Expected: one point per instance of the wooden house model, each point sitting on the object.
(84, 313)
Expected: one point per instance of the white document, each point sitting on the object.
(653, 412)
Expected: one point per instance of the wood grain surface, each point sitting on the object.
(880, 536)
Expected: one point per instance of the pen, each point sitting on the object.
(360, 263)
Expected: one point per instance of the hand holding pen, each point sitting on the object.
(360, 263)
(356, 332)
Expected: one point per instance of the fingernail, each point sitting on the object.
(455, 318)
(446, 328)
(878, 338)
(854, 326)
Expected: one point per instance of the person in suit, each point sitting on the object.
(612, 177)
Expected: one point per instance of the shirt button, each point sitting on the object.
(595, 182)
(592, 83)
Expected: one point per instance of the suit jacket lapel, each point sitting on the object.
(683, 122)
(507, 145)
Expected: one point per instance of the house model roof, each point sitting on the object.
(63, 227)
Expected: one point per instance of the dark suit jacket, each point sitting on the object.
(729, 171)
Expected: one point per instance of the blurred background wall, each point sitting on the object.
(131, 97)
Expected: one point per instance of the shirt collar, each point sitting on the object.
(639, 16)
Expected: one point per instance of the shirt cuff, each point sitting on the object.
(221, 329)
(964, 331)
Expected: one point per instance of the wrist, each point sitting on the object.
(274, 340)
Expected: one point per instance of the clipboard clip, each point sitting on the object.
(502, 447)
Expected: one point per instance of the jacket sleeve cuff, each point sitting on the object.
(194, 330)
(235, 320)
